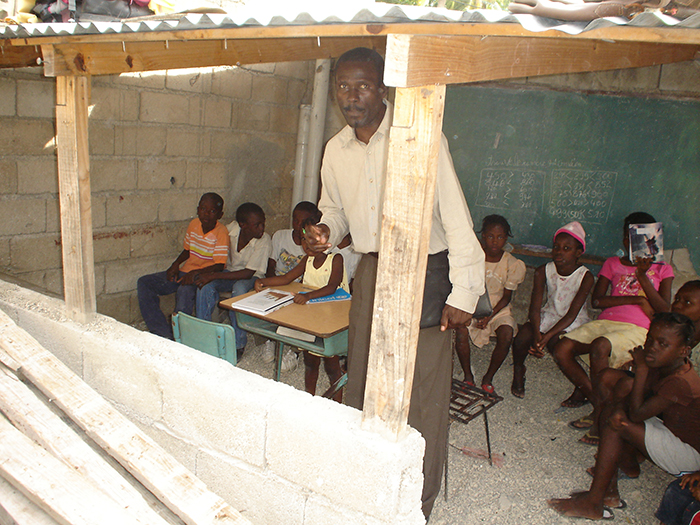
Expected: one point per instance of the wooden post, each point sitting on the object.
(72, 97)
(407, 218)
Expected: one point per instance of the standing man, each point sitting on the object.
(353, 178)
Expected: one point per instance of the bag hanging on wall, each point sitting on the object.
(438, 287)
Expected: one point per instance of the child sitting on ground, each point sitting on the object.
(205, 251)
(286, 254)
(326, 273)
(503, 275)
(664, 385)
(638, 291)
(250, 250)
(568, 283)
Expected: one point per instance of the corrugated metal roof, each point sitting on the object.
(331, 13)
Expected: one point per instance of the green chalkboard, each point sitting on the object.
(543, 158)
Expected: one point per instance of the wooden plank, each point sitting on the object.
(407, 218)
(18, 56)
(17, 509)
(63, 494)
(180, 490)
(113, 58)
(418, 60)
(72, 97)
(30, 415)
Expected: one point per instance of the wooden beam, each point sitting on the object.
(18, 56)
(114, 58)
(17, 509)
(174, 485)
(407, 217)
(417, 60)
(72, 97)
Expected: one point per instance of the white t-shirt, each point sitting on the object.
(285, 252)
(253, 256)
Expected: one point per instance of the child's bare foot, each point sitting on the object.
(518, 386)
(578, 506)
(575, 400)
(613, 501)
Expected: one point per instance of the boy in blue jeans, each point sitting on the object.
(205, 251)
(249, 252)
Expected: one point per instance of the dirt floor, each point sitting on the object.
(537, 456)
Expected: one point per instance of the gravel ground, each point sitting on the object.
(539, 454)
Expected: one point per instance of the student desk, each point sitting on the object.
(327, 321)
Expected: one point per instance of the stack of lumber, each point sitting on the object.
(68, 457)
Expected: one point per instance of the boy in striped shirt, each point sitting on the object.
(206, 247)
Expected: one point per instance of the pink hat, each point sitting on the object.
(575, 230)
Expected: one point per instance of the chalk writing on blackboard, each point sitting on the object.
(580, 195)
(511, 189)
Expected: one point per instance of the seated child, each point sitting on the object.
(248, 255)
(286, 254)
(681, 502)
(568, 283)
(205, 251)
(503, 275)
(326, 273)
(687, 302)
(661, 419)
(638, 290)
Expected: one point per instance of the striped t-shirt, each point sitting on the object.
(205, 249)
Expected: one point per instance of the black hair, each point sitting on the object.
(307, 207)
(695, 285)
(684, 326)
(364, 54)
(496, 220)
(214, 198)
(311, 220)
(247, 209)
(638, 217)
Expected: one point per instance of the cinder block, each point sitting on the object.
(174, 206)
(214, 174)
(298, 93)
(112, 245)
(116, 306)
(230, 410)
(101, 138)
(217, 112)
(261, 68)
(8, 176)
(27, 137)
(298, 70)
(229, 145)
(112, 174)
(107, 103)
(183, 142)
(270, 89)
(155, 240)
(36, 99)
(160, 174)
(22, 215)
(232, 82)
(195, 111)
(284, 119)
(681, 77)
(193, 177)
(321, 511)
(192, 80)
(121, 276)
(146, 79)
(263, 499)
(8, 99)
(254, 117)
(99, 211)
(36, 252)
(50, 281)
(311, 455)
(183, 451)
(4, 252)
(150, 140)
(122, 372)
(53, 214)
(99, 279)
(37, 175)
(165, 108)
(125, 138)
(130, 209)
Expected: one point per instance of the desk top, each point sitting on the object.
(319, 319)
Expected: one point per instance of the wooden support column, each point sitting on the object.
(72, 97)
(407, 217)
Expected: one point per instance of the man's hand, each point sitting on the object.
(316, 236)
(172, 273)
(202, 279)
(453, 318)
(190, 278)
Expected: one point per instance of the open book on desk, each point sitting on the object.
(264, 302)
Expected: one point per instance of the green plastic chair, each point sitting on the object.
(211, 338)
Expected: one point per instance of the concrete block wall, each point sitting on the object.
(276, 454)
(157, 142)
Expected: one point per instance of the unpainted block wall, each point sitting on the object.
(278, 455)
(157, 142)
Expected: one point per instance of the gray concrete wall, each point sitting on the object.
(157, 142)
(278, 455)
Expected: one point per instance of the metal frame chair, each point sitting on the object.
(211, 338)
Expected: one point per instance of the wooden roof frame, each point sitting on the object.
(421, 58)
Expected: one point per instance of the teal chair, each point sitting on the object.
(211, 338)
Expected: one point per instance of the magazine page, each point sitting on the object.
(265, 301)
(647, 241)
